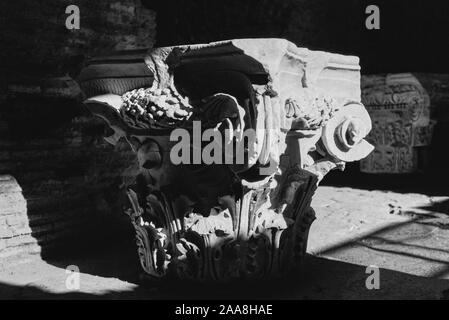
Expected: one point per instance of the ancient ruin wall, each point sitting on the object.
(59, 180)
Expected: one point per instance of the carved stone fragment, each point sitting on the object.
(400, 109)
(233, 218)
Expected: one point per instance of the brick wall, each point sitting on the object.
(60, 187)
(14, 223)
(59, 180)
(36, 42)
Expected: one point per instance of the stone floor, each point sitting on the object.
(402, 230)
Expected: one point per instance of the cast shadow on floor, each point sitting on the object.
(428, 183)
(322, 278)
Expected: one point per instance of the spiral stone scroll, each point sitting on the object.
(293, 114)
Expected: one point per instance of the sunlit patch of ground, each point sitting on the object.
(404, 232)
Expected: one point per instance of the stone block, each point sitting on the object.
(399, 107)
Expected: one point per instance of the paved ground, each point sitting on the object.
(404, 232)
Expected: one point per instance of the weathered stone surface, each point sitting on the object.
(400, 109)
(437, 87)
(224, 220)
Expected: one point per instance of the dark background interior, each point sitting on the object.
(413, 36)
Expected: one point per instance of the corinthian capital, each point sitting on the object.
(264, 122)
